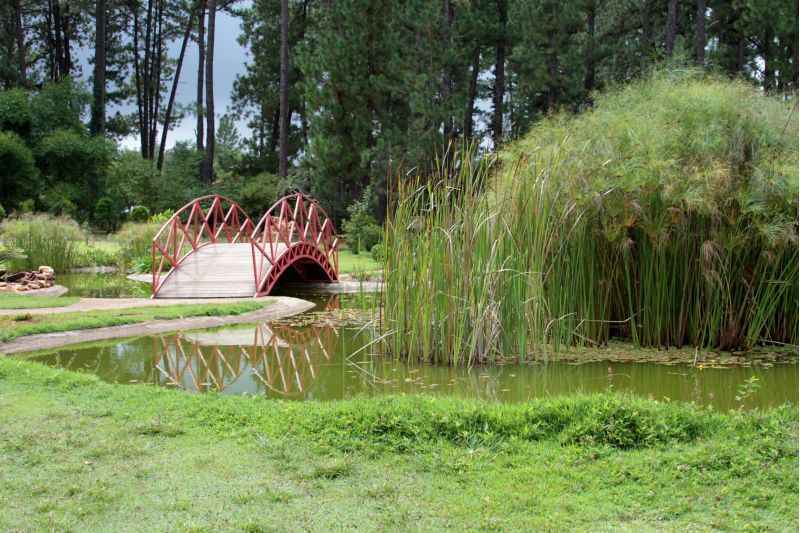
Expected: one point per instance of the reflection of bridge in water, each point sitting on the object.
(281, 358)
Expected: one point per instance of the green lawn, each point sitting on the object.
(350, 263)
(78, 454)
(14, 326)
(21, 301)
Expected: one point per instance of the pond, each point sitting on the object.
(102, 285)
(321, 355)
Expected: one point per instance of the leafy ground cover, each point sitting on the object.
(21, 301)
(82, 454)
(14, 326)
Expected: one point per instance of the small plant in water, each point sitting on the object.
(746, 390)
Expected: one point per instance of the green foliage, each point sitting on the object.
(361, 229)
(378, 253)
(45, 240)
(666, 216)
(131, 178)
(162, 217)
(58, 106)
(15, 112)
(77, 164)
(135, 241)
(18, 175)
(2, 213)
(257, 194)
(8, 255)
(139, 213)
(180, 181)
(107, 214)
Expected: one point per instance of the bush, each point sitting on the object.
(131, 178)
(135, 245)
(45, 240)
(2, 213)
(18, 174)
(107, 215)
(139, 213)
(15, 112)
(76, 163)
(378, 253)
(361, 229)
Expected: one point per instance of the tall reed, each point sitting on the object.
(44, 240)
(582, 233)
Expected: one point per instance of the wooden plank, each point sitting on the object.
(214, 271)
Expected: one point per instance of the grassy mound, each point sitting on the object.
(666, 216)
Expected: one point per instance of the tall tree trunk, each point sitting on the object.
(201, 65)
(66, 31)
(700, 33)
(58, 71)
(139, 81)
(20, 34)
(499, 74)
(472, 93)
(147, 80)
(767, 52)
(171, 102)
(210, 128)
(448, 14)
(158, 54)
(552, 73)
(589, 54)
(283, 158)
(98, 120)
(671, 31)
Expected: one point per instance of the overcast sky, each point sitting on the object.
(229, 61)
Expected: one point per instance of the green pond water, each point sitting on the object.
(107, 285)
(321, 355)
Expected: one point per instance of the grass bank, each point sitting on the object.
(21, 301)
(666, 216)
(82, 454)
(14, 326)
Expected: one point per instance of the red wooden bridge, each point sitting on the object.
(211, 249)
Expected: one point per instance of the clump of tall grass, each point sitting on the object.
(135, 240)
(44, 240)
(666, 216)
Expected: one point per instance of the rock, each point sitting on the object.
(44, 269)
(21, 288)
(33, 285)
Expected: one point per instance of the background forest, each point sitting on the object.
(337, 94)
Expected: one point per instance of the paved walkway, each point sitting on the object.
(281, 306)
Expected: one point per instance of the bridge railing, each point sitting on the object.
(291, 220)
(205, 220)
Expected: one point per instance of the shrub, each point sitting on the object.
(2, 213)
(131, 178)
(361, 230)
(135, 241)
(45, 240)
(18, 175)
(76, 163)
(378, 253)
(15, 112)
(107, 214)
(139, 213)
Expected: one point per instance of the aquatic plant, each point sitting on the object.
(44, 240)
(666, 216)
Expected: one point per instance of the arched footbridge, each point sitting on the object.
(210, 248)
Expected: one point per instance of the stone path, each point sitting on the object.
(99, 304)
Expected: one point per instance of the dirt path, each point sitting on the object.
(281, 306)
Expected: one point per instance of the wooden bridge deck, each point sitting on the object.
(222, 270)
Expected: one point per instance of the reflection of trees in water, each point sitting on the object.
(279, 357)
